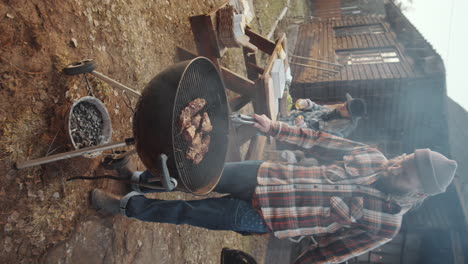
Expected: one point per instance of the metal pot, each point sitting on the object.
(107, 125)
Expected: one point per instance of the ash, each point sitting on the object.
(86, 125)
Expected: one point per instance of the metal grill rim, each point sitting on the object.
(201, 80)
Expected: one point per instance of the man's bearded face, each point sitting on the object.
(401, 181)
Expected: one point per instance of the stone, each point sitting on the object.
(74, 42)
(7, 244)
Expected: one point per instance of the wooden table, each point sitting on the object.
(256, 87)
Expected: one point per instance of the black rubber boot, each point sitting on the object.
(105, 202)
(124, 166)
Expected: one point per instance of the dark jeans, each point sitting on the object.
(233, 212)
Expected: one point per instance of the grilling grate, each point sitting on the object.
(201, 80)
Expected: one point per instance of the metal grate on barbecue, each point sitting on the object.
(201, 80)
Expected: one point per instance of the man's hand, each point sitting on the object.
(264, 123)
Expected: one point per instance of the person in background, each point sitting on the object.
(352, 205)
(339, 119)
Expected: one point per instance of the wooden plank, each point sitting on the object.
(333, 47)
(366, 69)
(326, 47)
(205, 36)
(256, 148)
(375, 71)
(228, 76)
(233, 153)
(250, 59)
(216, 8)
(255, 68)
(381, 71)
(271, 100)
(185, 54)
(283, 104)
(237, 103)
(265, 101)
(245, 133)
(273, 55)
(260, 42)
(238, 84)
(387, 72)
(259, 103)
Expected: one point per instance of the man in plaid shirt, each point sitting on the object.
(351, 205)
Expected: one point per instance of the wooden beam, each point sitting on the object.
(206, 39)
(256, 148)
(237, 83)
(233, 153)
(250, 60)
(261, 42)
(216, 8)
(237, 103)
(185, 54)
(232, 80)
(259, 102)
(245, 133)
(273, 56)
(255, 68)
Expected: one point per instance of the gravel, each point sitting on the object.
(86, 125)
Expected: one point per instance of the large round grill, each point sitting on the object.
(156, 123)
(201, 80)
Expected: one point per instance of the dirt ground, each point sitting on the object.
(44, 218)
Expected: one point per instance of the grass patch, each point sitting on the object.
(299, 8)
(19, 135)
(266, 13)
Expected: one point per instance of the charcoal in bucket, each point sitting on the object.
(86, 125)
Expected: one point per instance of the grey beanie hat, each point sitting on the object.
(435, 171)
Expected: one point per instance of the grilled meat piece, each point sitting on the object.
(189, 133)
(194, 151)
(205, 143)
(185, 118)
(202, 149)
(196, 105)
(191, 153)
(198, 148)
(187, 114)
(196, 120)
(206, 123)
(198, 158)
(190, 122)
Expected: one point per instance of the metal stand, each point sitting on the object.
(76, 68)
(116, 84)
(73, 153)
(166, 183)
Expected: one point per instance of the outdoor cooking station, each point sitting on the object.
(156, 118)
(256, 87)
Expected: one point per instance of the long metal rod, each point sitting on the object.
(70, 154)
(310, 66)
(280, 17)
(321, 61)
(116, 84)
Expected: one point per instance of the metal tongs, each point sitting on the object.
(242, 119)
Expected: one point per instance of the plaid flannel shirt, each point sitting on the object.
(334, 203)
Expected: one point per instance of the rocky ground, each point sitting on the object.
(44, 218)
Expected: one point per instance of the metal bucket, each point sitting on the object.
(107, 125)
